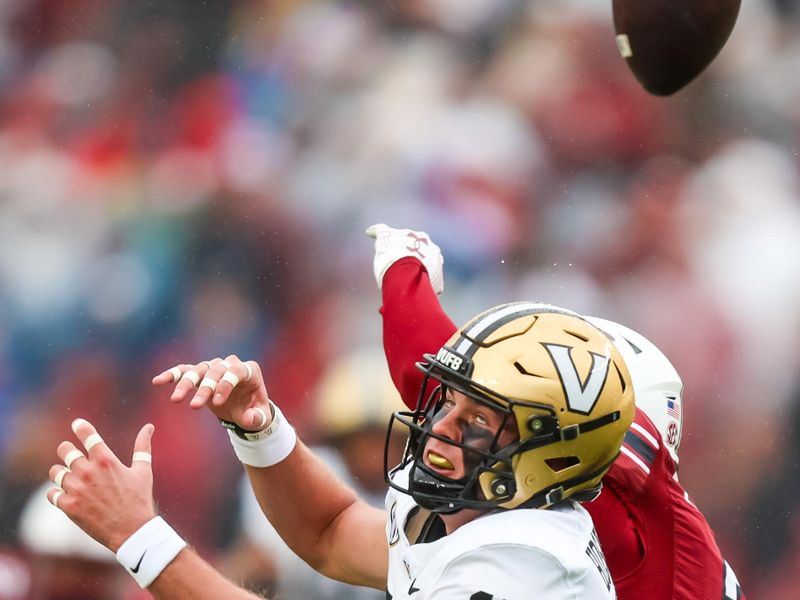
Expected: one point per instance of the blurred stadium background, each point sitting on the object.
(183, 179)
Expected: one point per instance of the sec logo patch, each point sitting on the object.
(672, 433)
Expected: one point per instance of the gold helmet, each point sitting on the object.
(556, 379)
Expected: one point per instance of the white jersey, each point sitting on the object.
(519, 554)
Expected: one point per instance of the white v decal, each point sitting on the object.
(581, 395)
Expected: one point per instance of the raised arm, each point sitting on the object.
(408, 270)
(413, 324)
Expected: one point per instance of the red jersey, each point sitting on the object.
(657, 544)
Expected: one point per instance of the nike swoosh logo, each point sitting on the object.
(138, 564)
(412, 589)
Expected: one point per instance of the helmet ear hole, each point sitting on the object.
(562, 462)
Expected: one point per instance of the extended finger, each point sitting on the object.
(207, 385)
(229, 380)
(232, 359)
(251, 367)
(89, 437)
(171, 375)
(190, 379)
(57, 474)
(70, 455)
(224, 361)
(53, 496)
(143, 449)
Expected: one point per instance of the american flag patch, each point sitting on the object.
(673, 409)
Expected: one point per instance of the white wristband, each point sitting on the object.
(275, 443)
(149, 550)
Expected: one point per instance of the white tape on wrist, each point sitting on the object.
(149, 550)
(276, 442)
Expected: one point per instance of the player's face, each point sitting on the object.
(468, 422)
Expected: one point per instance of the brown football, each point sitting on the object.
(667, 43)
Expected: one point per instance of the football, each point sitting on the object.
(667, 43)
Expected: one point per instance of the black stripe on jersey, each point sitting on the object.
(481, 596)
(642, 448)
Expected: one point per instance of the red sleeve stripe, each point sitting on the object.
(645, 434)
(638, 461)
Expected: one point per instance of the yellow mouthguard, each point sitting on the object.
(439, 461)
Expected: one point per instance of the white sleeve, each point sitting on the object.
(503, 572)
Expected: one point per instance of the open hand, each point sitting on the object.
(232, 389)
(100, 494)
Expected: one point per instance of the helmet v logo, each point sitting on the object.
(581, 395)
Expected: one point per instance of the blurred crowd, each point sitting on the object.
(182, 180)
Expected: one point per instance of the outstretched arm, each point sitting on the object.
(409, 271)
(413, 324)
